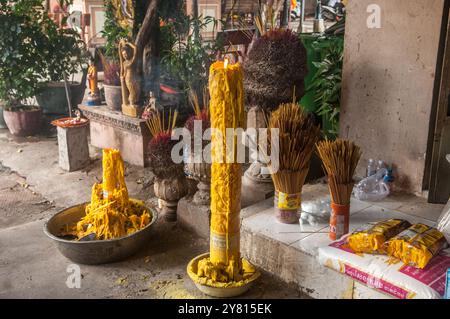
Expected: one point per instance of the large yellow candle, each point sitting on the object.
(113, 173)
(226, 111)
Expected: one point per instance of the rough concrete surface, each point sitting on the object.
(33, 188)
(388, 78)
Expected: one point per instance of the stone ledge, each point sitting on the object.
(111, 129)
(294, 266)
(290, 252)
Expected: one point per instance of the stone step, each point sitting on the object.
(290, 252)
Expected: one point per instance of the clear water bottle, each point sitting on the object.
(371, 168)
(381, 166)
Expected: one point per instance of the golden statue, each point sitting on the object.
(128, 78)
(124, 12)
(92, 77)
(94, 93)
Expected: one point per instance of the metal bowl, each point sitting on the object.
(219, 292)
(95, 251)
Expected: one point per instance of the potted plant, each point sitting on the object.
(20, 67)
(170, 182)
(64, 56)
(111, 84)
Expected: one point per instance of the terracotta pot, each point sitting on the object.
(113, 97)
(202, 173)
(23, 122)
(169, 192)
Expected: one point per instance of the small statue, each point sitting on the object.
(94, 93)
(129, 78)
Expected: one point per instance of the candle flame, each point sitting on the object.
(225, 63)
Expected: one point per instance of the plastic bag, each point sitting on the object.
(372, 188)
(372, 240)
(443, 224)
(416, 245)
(315, 212)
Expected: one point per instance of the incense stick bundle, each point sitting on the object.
(156, 123)
(340, 158)
(161, 144)
(297, 136)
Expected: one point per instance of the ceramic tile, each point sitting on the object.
(357, 205)
(359, 220)
(423, 210)
(394, 201)
(266, 224)
(311, 243)
(374, 214)
(256, 208)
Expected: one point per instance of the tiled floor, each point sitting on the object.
(308, 238)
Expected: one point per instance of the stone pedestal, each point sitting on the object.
(73, 147)
(112, 129)
(193, 217)
(257, 184)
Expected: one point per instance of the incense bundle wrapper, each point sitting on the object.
(340, 208)
(288, 201)
(340, 158)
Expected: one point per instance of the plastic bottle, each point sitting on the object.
(381, 166)
(389, 177)
(371, 168)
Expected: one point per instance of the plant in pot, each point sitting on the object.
(111, 84)
(326, 83)
(170, 182)
(112, 32)
(64, 56)
(20, 67)
(197, 167)
(185, 55)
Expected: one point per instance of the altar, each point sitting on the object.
(112, 129)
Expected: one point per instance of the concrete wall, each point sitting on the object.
(388, 82)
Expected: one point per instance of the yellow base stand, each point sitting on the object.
(130, 110)
(220, 289)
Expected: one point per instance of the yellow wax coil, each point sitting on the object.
(417, 245)
(372, 240)
(111, 213)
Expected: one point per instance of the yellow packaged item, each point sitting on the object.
(416, 245)
(372, 241)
